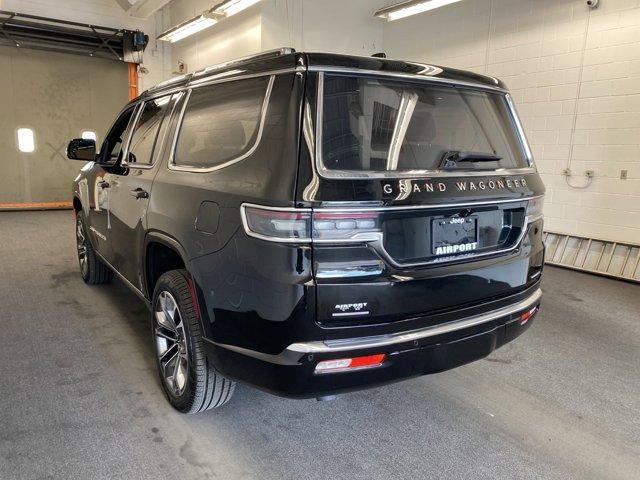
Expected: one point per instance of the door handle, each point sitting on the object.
(103, 184)
(140, 193)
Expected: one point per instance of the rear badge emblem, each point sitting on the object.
(349, 309)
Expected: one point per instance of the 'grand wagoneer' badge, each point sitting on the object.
(406, 187)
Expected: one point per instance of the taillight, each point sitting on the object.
(303, 225)
(277, 224)
(339, 226)
(526, 316)
(535, 208)
(347, 364)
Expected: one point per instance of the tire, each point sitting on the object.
(92, 270)
(189, 381)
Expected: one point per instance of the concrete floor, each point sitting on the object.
(80, 397)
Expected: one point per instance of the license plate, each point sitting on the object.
(454, 235)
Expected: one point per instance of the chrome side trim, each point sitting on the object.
(354, 269)
(294, 352)
(424, 207)
(380, 341)
(135, 289)
(358, 175)
(184, 168)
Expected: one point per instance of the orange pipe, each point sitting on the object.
(34, 205)
(133, 80)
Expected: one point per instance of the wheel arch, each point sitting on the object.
(161, 253)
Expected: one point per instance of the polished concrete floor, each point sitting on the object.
(79, 397)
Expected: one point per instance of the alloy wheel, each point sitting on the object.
(81, 242)
(171, 345)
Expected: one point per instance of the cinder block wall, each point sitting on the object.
(575, 75)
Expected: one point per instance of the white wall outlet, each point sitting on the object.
(623, 174)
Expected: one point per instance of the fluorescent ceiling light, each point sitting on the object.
(195, 25)
(231, 7)
(207, 19)
(411, 7)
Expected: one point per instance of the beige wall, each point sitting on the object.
(574, 73)
(311, 25)
(107, 13)
(575, 76)
(57, 95)
(237, 36)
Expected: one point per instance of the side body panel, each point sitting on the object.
(242, 287)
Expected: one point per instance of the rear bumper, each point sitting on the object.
(412, 353)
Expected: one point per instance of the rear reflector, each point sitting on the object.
(346, 364)
(526, 316)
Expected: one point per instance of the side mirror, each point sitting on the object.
(82, 149)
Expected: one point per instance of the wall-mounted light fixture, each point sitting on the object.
(410, 7)
(26, 140)
(206, 19)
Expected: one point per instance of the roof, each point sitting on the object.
(286, 59)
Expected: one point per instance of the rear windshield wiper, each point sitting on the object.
(452, 159)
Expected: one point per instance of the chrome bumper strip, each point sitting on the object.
(294, 352)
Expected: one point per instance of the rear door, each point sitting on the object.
(420, 199)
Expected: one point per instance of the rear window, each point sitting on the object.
(221, 123)
(380, 125)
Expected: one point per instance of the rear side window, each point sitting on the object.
(145, 133)
(379, 125)
(221, 123)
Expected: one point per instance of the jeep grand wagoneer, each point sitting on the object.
(312, 223)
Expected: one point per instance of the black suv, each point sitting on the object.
(312, 223)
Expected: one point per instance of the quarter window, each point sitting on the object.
(111, 150)
(221, 123)
(145, 133)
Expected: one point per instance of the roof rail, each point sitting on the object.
(276, 52)
(166, 83)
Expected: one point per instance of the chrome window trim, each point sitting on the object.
(363, 175)
(129, 130)
(137, 114)
(263, 114)
(147, 166)
(294, 352)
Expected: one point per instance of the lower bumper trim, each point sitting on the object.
(294, 352)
